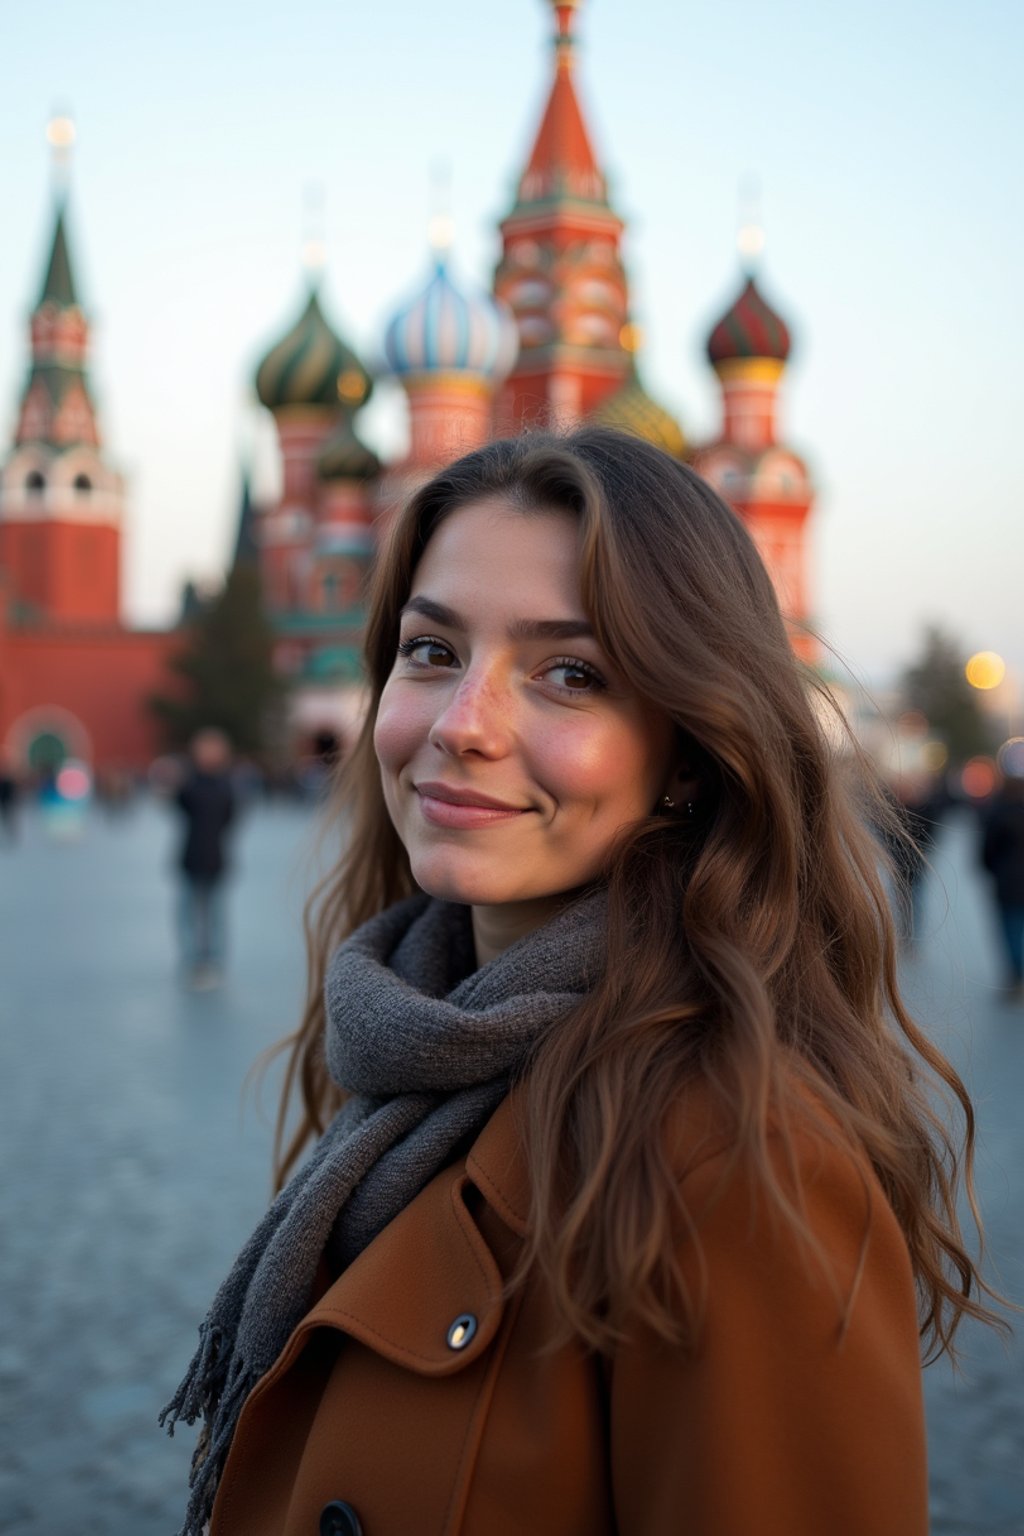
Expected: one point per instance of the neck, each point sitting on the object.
(495, 928)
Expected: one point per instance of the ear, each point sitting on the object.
(681, 788)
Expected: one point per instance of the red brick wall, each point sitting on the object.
(66, 570)
(99, 676)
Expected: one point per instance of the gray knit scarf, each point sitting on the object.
(427, 1047)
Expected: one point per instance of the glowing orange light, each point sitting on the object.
(631, 337)
(351, 386)
(60, 132)
(985, 670)
(978, 778)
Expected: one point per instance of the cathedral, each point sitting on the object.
(552, 343)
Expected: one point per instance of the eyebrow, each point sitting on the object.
(519, 629)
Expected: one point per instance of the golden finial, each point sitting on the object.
(750, 234)
(60, 135)
(441, 225)
(314, 243)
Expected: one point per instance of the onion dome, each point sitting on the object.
(444, 330)
(750, 328)
(344, 457)
(311, 365)
(632, 410)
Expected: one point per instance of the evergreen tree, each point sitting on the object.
(937, 686)
(225, 667)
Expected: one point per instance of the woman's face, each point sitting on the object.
(511, 752)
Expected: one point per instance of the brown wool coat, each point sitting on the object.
(775, 1426)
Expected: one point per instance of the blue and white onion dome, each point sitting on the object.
(448, 330)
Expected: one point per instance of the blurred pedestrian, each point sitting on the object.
(206, 800)
(10, 790)
(1002, 854)
(920, 803)
(627, 1181)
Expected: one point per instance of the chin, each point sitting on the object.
(458, 880)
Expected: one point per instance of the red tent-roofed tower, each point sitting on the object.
(60, 498)
(560, 269)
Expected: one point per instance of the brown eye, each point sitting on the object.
(425, 652)
(437, 655)
(575, 677)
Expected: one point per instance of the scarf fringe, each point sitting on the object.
(214, 1387)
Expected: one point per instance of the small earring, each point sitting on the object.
(690, 808)
(668, 803)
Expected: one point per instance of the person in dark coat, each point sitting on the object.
(9, 792)
(207, 802)
(1002, 854)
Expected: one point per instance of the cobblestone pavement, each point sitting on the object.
(134, 1164)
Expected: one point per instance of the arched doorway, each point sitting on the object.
(47, 753)
(42, 739)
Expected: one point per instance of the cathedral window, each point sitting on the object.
(35, 483)
(83, 484)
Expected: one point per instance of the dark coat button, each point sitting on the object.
(339, 1519)
(461, 1331)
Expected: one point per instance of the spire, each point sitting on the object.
(563, 162)
(59, 283)
(246, 548)
(314, 238)
(441, 227)
(750, 230)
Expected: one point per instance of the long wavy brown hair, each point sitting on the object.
(751, 946)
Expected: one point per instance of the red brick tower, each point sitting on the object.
(60, 500)
(765, 481)
(560, 270)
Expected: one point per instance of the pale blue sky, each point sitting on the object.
(886, 138)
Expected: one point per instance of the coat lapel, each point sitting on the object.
(431, 1265)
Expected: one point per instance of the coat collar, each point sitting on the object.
(496, 1163)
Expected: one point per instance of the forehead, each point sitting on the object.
(495, 552)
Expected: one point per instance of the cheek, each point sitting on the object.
(611, 766)
(399, 729)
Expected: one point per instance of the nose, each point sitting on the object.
(477, 717)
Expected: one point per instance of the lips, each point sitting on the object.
(444, 805)
(455, 795)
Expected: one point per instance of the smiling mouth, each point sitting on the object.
(444, 806)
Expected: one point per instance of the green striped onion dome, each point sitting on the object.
(632, 410)
(345, 458)
(311, 365)
(749, 328)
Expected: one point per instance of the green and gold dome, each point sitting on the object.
(312, 366)
(632, 410)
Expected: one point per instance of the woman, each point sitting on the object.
(628, 1202)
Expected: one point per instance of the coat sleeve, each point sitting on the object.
(796, 1413)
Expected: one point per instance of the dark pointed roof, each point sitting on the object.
(59, 284)
(246, 547)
